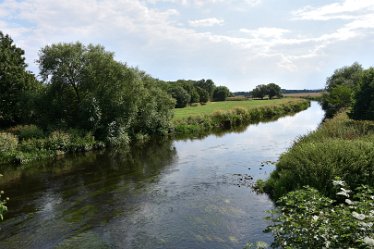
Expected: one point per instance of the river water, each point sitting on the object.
(170, 194)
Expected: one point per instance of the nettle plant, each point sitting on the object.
(307, 219)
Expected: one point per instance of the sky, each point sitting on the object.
(237, 43)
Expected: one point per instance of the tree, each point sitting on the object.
(340, 88)
(180, 95)
(221, 93)
(273, 90)
(363, 104)
(259, 92)
(204, 95)
(89, 90)
(18, 87)
(207, 85)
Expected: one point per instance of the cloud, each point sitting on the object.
(166, 39)
(207, 22)
(345, 10)
(265, 32)
(200, 3)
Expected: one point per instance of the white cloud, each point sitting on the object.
(347, 9)
(207, 22)
(265, 32)
(159, 41)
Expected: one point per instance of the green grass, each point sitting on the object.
(339, 148)
(226, 115)
(211, 107)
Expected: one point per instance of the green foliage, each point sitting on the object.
(259, 92)
(307, 219)
(340, 87)
(180, 95)
(89, 90)
(17, 86)
(26, 131)
(340, 147)
(273, 90)
(8, 142)
(363, 106)
(208, 86)
(221, 93)
(234, 116)
(204, 95)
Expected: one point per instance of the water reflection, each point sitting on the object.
(170, 194)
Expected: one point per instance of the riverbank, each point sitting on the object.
(26, 143)
(341, 147)
(153, 195)
(195, 121)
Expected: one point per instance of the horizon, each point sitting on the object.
(238, 44)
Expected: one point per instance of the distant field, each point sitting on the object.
(209, 108)
(303, 95)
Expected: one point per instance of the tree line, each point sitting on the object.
(83, 87)
(187, 92)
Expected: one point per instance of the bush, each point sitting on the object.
(58, 140)
(340, 147)
(307, 219)
(8, 142)
(26, 131)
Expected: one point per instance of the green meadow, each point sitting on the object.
(211, 107)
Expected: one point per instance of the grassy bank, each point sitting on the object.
(339, 148)
(26, 143)
(225, 115)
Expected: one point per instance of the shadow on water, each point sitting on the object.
(190, 193)
(52, 199)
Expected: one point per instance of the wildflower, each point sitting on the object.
(344, 192)
(349, 202)
(358, 216)
(369, 241)
(338, 183)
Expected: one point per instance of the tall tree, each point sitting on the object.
(17, 85)
(260, 91)
(273, 90)
(221, 93)
(92, 91)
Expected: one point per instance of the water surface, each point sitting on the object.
(170, 194)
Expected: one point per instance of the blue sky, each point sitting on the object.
(296, 44)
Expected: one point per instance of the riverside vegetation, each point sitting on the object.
(324, 183)
(199, 120)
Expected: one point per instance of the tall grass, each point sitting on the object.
(237, 116)
(339, 148)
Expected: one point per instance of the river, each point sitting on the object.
(193, 193)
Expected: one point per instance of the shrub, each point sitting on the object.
(58, 140)
(8, 142)
(27, 131)
(307, 219)
(340, 147)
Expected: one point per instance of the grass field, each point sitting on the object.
(211, 107)
(303, 95)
